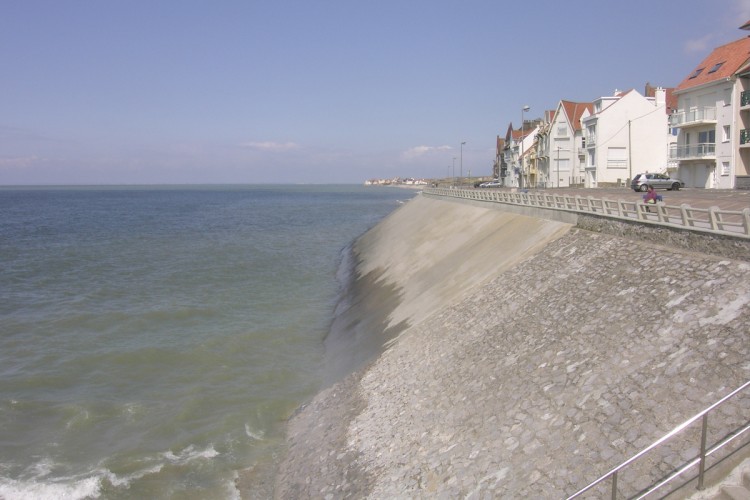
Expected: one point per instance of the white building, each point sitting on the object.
(518, 149)
(713, 120)
(625, 134)
(561, 153)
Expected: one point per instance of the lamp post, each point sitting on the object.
(462, 162)
(520, 158)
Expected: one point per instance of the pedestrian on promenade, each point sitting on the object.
(650, 198)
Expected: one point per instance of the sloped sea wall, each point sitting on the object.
(532, 356)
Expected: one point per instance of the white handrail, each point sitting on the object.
(711, 220)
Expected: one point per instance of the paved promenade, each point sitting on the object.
(538, 380)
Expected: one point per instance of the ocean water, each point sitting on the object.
(153, 340)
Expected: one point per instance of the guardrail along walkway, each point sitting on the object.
(712, 219)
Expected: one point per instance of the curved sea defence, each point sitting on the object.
(528, 357)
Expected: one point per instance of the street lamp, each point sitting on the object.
(520, 158)
(462, 161)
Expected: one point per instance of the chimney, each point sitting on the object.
(661, 96)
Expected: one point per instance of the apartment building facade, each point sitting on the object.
(712, 120)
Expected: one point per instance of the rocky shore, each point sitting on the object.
(531, 357)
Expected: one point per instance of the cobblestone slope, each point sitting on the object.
(537, 381)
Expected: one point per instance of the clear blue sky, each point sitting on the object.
(337, 91)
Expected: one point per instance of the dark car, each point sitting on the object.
(641, 182)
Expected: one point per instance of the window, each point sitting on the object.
(617, 157)
(725, 134)
(725, 168)
(562, 130)
(697, 72)
(715, 67)
(707, 137)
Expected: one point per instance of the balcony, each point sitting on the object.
(745, 98)
(745, 137)
(693, 117)
(590, 141)
(693, 151)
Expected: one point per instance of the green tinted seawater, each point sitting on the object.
(155, 339)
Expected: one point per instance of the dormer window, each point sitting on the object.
(697, 72)
(716, 67)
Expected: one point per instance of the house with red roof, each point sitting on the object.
(712, 120)
(518, 154)
(560, 153)
(625, 134)
(499, 167)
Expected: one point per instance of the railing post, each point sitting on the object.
(684, 214)
(713, 217)
(660, 212)
(746, 220)
(614, 485)
(702, 466)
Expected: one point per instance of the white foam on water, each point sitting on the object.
(38, 485)
(257, 435)
(41, 489)
(189, 454)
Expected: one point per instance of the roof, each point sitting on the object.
(574, 110)
(745, 26)
(721, 64)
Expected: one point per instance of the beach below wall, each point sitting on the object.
(526, 358)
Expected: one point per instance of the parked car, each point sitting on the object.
(491, 184)
(641, 182)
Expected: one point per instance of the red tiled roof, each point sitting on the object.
(722, 63)
(574, 110)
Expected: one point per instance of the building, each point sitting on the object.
(499, 167)
(712, 120)
(560, 144)
(519, 154)
(624, 134)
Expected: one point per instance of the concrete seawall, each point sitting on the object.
(532, 356)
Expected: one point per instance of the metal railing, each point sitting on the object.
(685, 151)
(700, 460)
(692, 116)
(708, 220)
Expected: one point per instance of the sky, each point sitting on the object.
(315, 91)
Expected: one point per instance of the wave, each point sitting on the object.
(37, 482)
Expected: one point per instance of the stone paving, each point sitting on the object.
(538, 381)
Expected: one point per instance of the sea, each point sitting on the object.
(154, 340)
